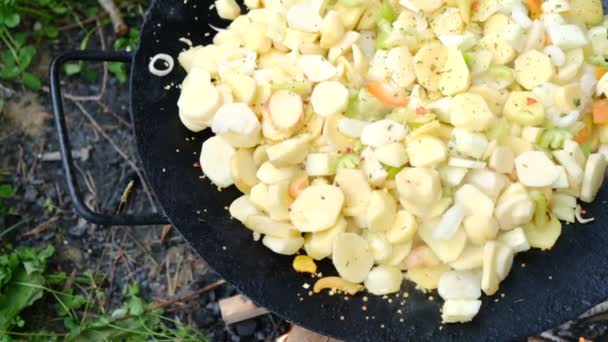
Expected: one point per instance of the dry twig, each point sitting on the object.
(119, 24)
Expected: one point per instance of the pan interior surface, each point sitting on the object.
(554, 286)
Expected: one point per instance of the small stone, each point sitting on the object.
(246, 328)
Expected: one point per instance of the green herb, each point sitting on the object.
(392, 171)
(554, 138)
(598, 60)
(351, 3)
(348, 161)
(577, 102)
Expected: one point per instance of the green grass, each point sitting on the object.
(26, 283)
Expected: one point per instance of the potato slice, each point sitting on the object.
(283, 246)
(288, 152)
(485, 9)
(352, 257)
(243, 87)
(418, 185)
(244, 170)
(459, 285)
(383, 132)
(535, 169)
(504, 261)
(502, 160)
(241, 208)
(196, 109)
(399, 252)
(381, 211)
(400, 66)
(474, 201)
(427, 278)
(448, 22)
(491, 183)
(426, 151)
(429, 60)
(480, 228)
(270, 131)
(216, 160)
(264, 225)
(331, 132)
(515, 239)
(470, 259)
(393, 154)
(595, 171)
(533, 68)
(317, 208)
(524, 108)
(357, 191)
(330, 97)
(270, 174)
(459, 310)
(227, 9)
(455, 75)
(380, 247)
(332, 29)
(502, 51)
(471, 112)
(319, 245)
(403, 229)
(446, 250)
(279, 201)
(590, 12)
(383, 280)
(495, 98)
(574, 61)
(489, 277)
(285, 109)
(303, 17)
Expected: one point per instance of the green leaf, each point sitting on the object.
(72, 68)
(17, 296)
(118, 70)
(51, 31)
(8, 58)
(136, 306)
(31, 81)
(20, 39)
(12, 20)
(25, 55)
(6, 191)
(9, 72)
(1, 105)
(59, 9)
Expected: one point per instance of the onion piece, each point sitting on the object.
(520, 15)
(170, 63)
(578, 212)
(449, 223)
(566, 120)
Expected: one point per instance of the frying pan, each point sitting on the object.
(554, 286)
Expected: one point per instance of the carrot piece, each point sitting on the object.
(534, 6)
(475, 5)
(600, 112)
(600, 72)
(385, 95)
(583, 135)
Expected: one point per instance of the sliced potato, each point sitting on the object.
(403, 229)
(459, 285)
(241, 208)
(455, 76)
(533, 68)
(392, 154)
(357, 191)
(216, 160)
(319, 245)
(429, 60)
(595, 171)
(543, 237)
(459, 310)
(288, 152)
(399, 252)
(480, 228)
(285, 109)
(265, 225)
(381, 211)
(471, 112)
(474, 201)
(332, 133)
(244, 170)
(470, 259)
(243, 87)
(283, 246)
(426, 278)
(383, 280)
(489, 277)
(332, 29)
(270, 174)
(446, 250)
(317, 208)
(279, 201)
(524, 108)
(426, 151)
(352, 257)
(418, 185)
(330, 97)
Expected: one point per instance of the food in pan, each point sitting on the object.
(416, 139)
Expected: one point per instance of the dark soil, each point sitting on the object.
(164, 265)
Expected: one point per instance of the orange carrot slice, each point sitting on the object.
(385, 95)
(534, 6)
(600, 112)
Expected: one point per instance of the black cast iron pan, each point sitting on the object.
(554, 286)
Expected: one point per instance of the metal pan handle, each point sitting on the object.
(65, 147)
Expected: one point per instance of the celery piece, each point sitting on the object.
(392, 171)
(554, 138)
(469, 58)
(586, 148)
(348, 161)
(540, 211)
(351, 3)
(597, 60)
(501, 72)
(365, 107)
(388, 12)
(384, 30)
(500, 130)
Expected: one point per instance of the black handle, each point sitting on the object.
(65, 147)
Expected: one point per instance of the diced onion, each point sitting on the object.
(170, 63)
(557, 55)
(566, 120)
(520, 15)
(449, 223)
